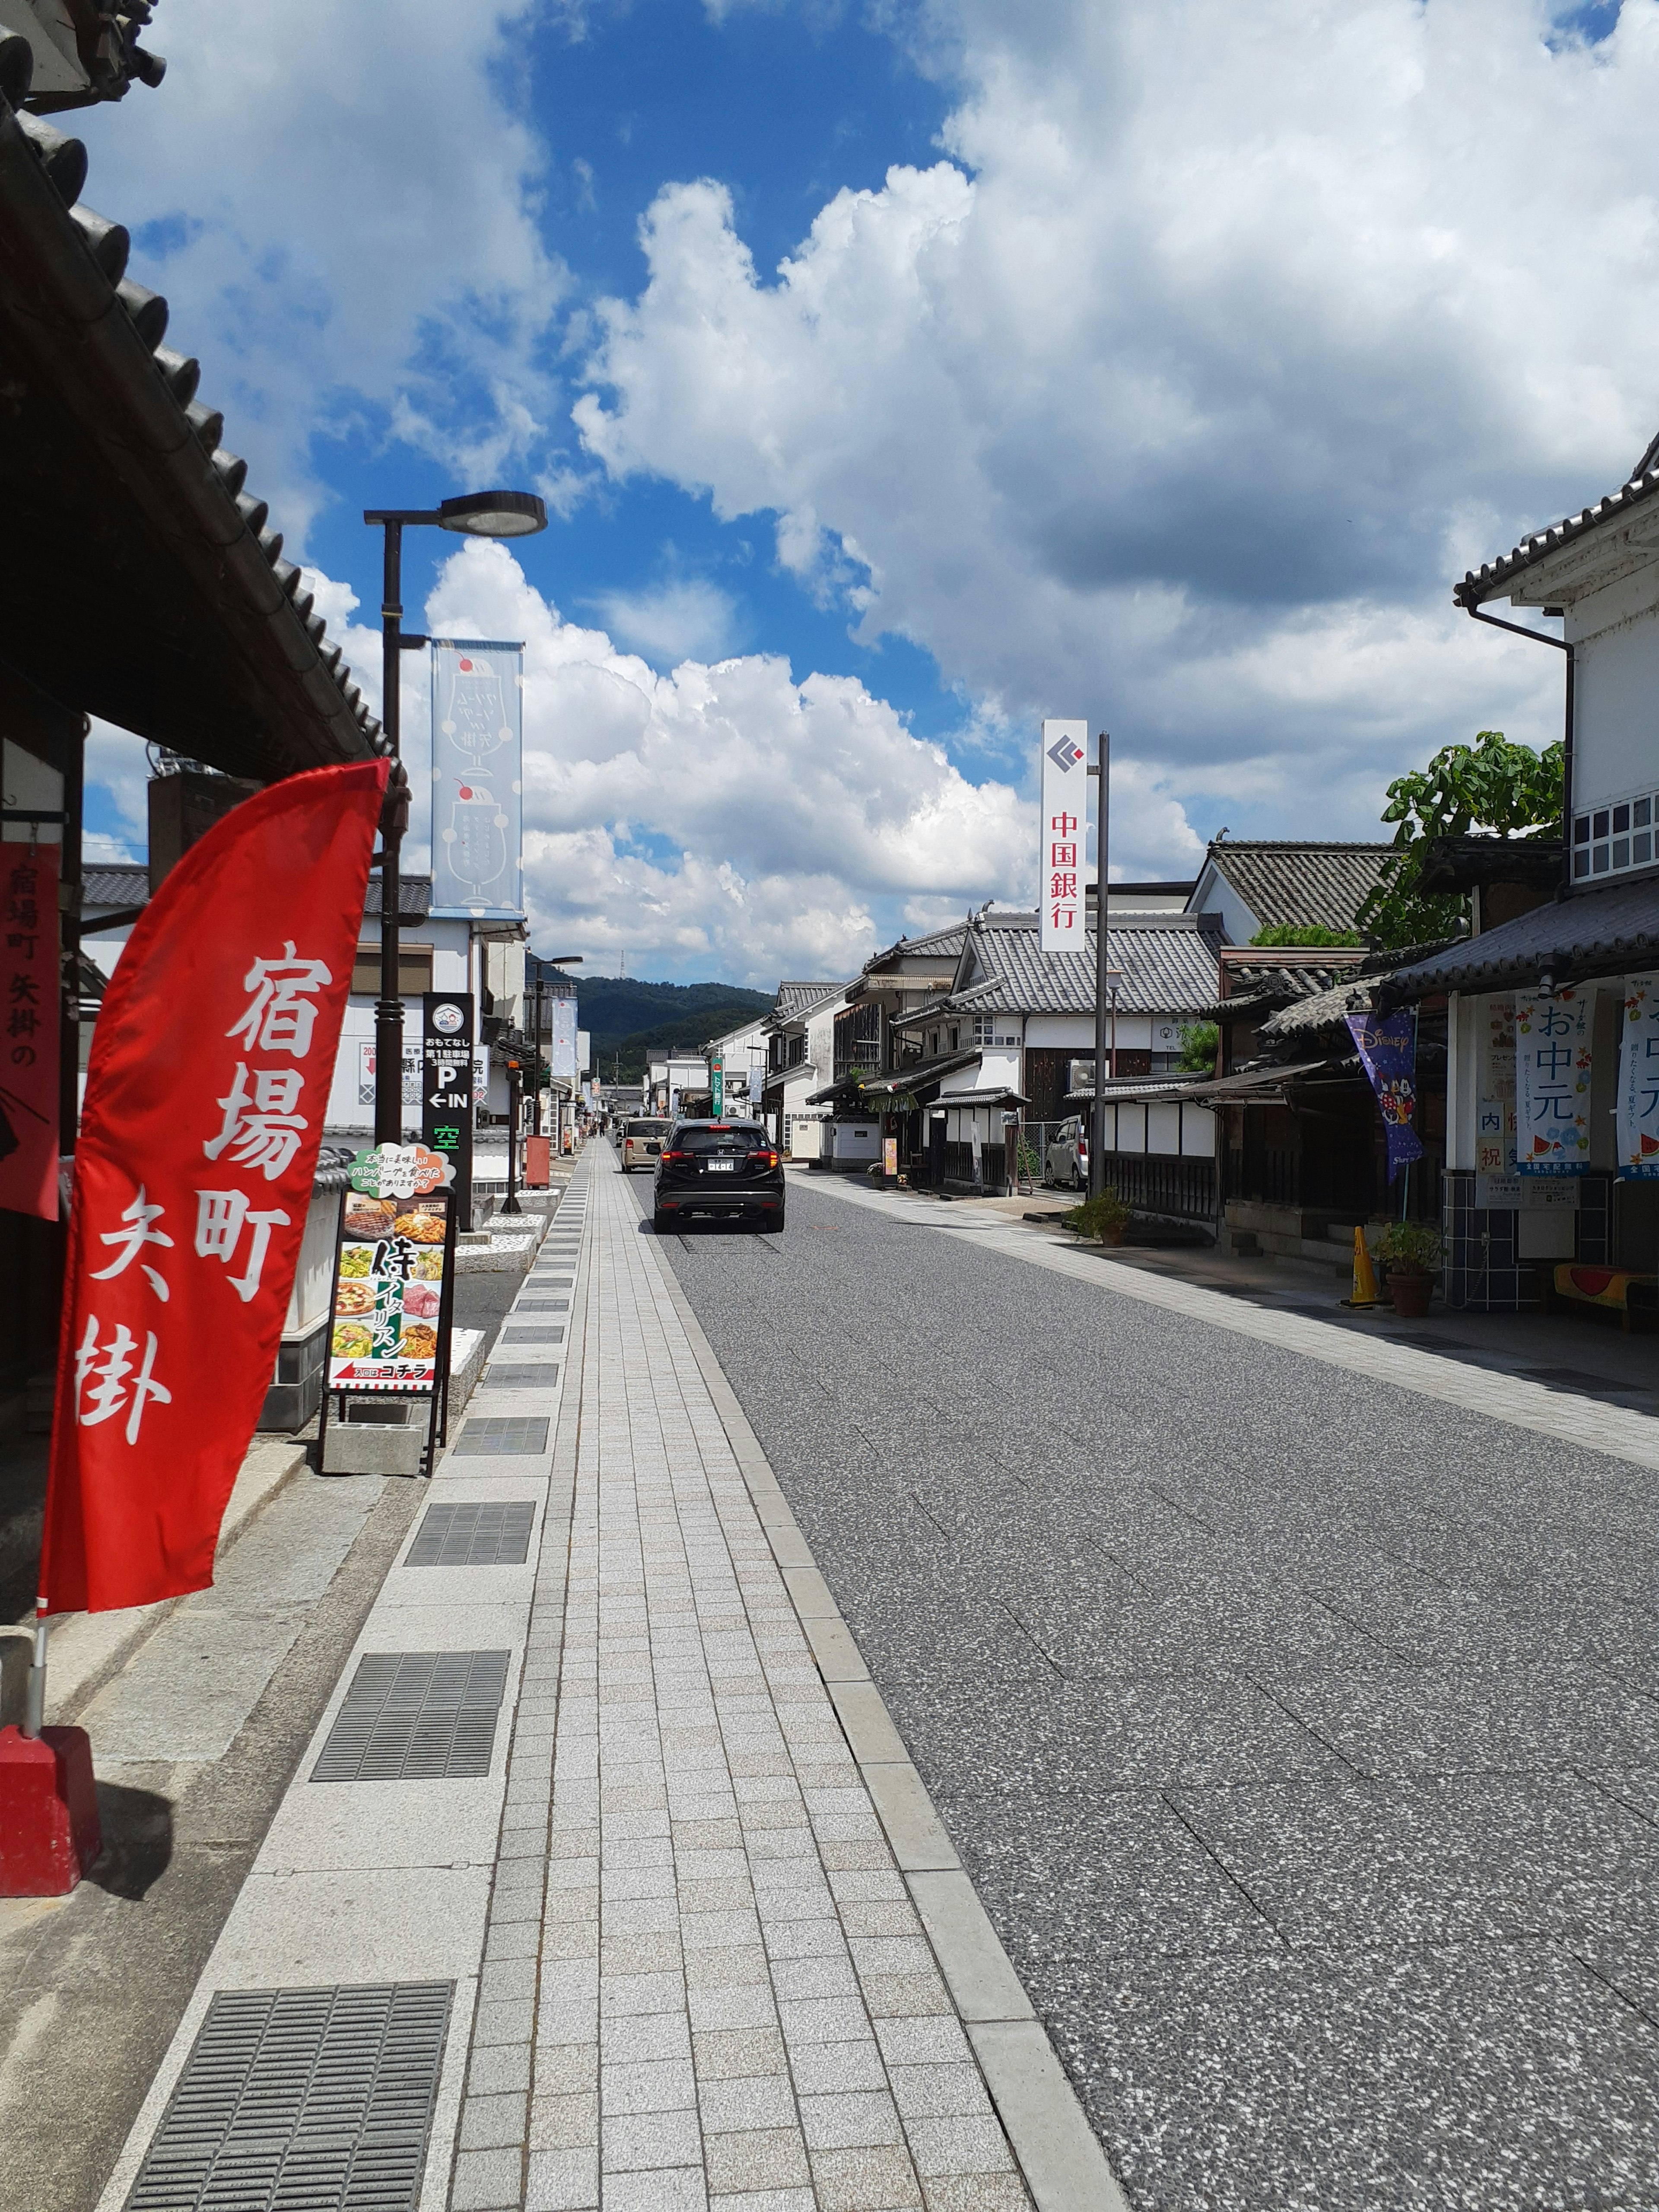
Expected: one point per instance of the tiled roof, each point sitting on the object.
(1168, 964)
(1254, 984)
(1600, 932)
(794, 999)
(1303, 1020)
(1301, 885)
(414, 898)
(137, 565)
(1494, 576)
(937, 944)
(114, 883)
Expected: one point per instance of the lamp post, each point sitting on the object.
(475, 514)
(556, 960)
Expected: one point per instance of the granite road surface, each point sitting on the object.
(1300, 1731)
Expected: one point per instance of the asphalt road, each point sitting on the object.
(1301, 1733)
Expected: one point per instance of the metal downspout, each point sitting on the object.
(1561, 644)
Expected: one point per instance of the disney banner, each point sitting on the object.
(477, 767)
(1388, 1046)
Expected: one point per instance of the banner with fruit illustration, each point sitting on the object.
(1638, 1078)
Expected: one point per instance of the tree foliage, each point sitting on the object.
(1198, 1040)
(1492, 788)
(1312, 933)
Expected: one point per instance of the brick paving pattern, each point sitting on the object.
(704, 1981)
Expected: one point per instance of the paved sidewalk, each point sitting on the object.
(734, 2002)
(642, 1934)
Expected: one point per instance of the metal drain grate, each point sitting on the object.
(551, 1278)
(416, 1716)
(503, 1434)
(542, 1305)
(535, 1334)
(301, 2100)
(495, 1533)
(541, 1376)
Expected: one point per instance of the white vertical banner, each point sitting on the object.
(1639, 1079)
(1496, 1182)
(1064, 782)
(1552, 1081)
(477, 768)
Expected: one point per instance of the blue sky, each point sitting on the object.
(901, 371)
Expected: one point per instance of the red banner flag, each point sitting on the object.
(31, 1017)
(208, 1085)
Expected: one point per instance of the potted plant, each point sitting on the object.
(1103, 1218)
(1410, 1251)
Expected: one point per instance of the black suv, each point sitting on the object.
(726, 1171)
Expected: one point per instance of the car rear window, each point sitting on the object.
(645, 1128)
(734, 1137)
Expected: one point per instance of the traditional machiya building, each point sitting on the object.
(140, 582)
(991, 1061)
(1251, 886)
(799, 1060)
(1552, 1085)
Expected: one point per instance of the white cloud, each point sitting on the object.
(688, 619)
(722, 820)
(1181, 392)
(339, 206)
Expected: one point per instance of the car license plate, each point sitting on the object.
(722, 1167)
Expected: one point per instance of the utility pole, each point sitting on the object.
(1102, 772)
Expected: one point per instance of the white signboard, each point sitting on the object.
(478, 746)
(412, 1074)
(1552, 1082)
(1639, 1079)
(1064, 778)
(1496, 1182)
(558, 1020)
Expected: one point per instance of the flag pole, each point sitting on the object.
(34, 1709)
(1102, 772)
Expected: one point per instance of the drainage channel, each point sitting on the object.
(324, 2098)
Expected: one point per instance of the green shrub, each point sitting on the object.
(1413, 1247)
(1199, 1044)
(1312, 934)
(1096, 1216)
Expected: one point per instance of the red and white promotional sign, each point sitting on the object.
(208, 1085)
(31, 1031)
(1063, 779)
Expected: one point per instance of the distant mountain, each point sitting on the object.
(626, 1019)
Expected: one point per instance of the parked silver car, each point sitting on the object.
(1066, 1160)
(642, 1143)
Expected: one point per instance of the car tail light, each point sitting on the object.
(674, 1156)
(765, 1159)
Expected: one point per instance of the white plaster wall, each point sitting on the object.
(1198, 1133)
(1616, 710)
(1163, 1128)
(1214, 894)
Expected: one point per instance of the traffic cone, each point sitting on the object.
(1364, 1275)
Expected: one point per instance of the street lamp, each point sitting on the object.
(474, 514)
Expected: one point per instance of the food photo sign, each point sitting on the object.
(394, 1278)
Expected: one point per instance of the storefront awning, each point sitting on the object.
(1588, 934)
(138, 580)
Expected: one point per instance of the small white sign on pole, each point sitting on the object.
(1064, 782)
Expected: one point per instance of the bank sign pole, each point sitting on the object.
(447, 1088)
